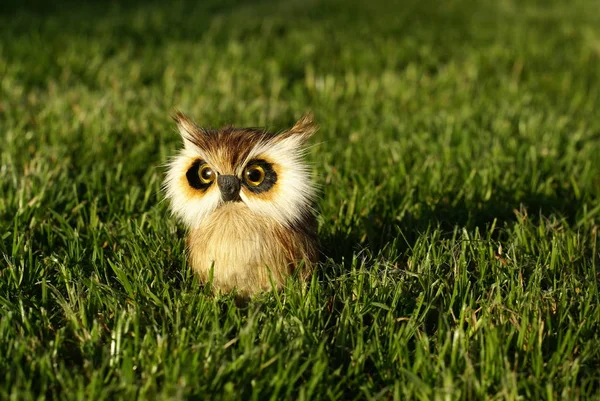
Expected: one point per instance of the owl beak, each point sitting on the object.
(229, 186)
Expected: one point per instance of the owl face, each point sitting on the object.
(253, 168)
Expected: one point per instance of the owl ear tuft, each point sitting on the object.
(304, 128)
(189, 131)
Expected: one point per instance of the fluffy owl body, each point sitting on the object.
(246, 197)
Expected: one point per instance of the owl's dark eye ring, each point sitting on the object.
(206, 174)
(259, 176)
(200, 175)
(254, 175)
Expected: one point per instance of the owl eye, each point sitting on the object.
(200, 175)
(254, 175)
(206, 174)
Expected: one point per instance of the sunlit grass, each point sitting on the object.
(459, 161)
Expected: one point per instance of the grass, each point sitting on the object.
(459, 159)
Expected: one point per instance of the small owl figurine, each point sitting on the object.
(246, 198)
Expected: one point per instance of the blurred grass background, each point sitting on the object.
(459, 163)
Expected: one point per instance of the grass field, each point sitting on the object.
(459, 161)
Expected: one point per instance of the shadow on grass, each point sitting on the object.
(383, 226)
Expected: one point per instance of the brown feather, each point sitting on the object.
(248, 252)
(255, 243)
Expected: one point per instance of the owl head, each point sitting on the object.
(261, 170)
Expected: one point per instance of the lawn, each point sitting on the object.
(459, 169)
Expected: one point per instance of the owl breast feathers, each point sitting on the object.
(246, 198)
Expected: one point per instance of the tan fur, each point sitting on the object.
(254, 242)
(247, 252)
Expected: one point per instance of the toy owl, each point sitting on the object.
(246, 198)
